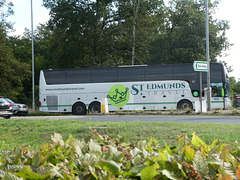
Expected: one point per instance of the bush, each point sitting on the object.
(100, 157)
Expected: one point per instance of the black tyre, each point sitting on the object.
(79, 109)
(94, 107)
(184, 104)
(7, 117)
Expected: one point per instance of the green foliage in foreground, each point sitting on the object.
(100, 157)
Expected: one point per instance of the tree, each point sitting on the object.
(22, 49)
(235, 86)
(138, 23)
(6, 10)
(12, 72)
(183, 38)
(102, 33)
(135, 15)
(82, 33)
(111, 33)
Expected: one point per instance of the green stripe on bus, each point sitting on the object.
(132, 104)
(217, 102)
(60, 106)
(57, 106)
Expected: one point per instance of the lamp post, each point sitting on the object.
(207, 58)
(33, 93)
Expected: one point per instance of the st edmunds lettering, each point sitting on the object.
(139, 87)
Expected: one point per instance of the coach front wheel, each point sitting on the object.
(79, 109)
(94, 107)
(184, 104)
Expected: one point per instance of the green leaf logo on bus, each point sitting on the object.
(118, 95)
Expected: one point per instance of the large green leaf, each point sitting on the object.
(200, 163)
(135, 152)
(70, 140)
(10, 176)
(89, 159)
(137, 160)
(189, 152)
(116, 155)
(36, 161)
(27, 173)
(225, 153)
(95, 147)
(214, 143)
(78, 150)
(198, 142)
(14, 168)
(161, 157)
(53, 171)
(57, 138)
(149, 172)
(169, 175)
(110, 166)
(137, 169)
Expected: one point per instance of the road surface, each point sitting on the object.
(145, 118)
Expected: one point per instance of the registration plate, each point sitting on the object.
(3, 112)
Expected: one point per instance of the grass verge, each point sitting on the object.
(37, 132)
(215, 112)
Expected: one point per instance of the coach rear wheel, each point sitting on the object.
(184, 104)
(7, 117)
(79, 109)
(94, 107)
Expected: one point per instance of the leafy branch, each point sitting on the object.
(100, 157)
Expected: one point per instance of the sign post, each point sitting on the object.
(201, 66)
(207, 56)
(33, 83)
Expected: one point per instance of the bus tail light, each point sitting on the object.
(40, 104)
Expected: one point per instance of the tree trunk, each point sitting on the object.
(135, 13)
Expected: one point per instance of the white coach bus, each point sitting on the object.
(156, 87)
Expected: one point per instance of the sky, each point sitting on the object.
(227, 10)
(22, 15)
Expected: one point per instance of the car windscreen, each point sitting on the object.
(9, 100)
(2, 100)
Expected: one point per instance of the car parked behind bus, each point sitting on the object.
(6, 110)
(236, 101)
(18, 109)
